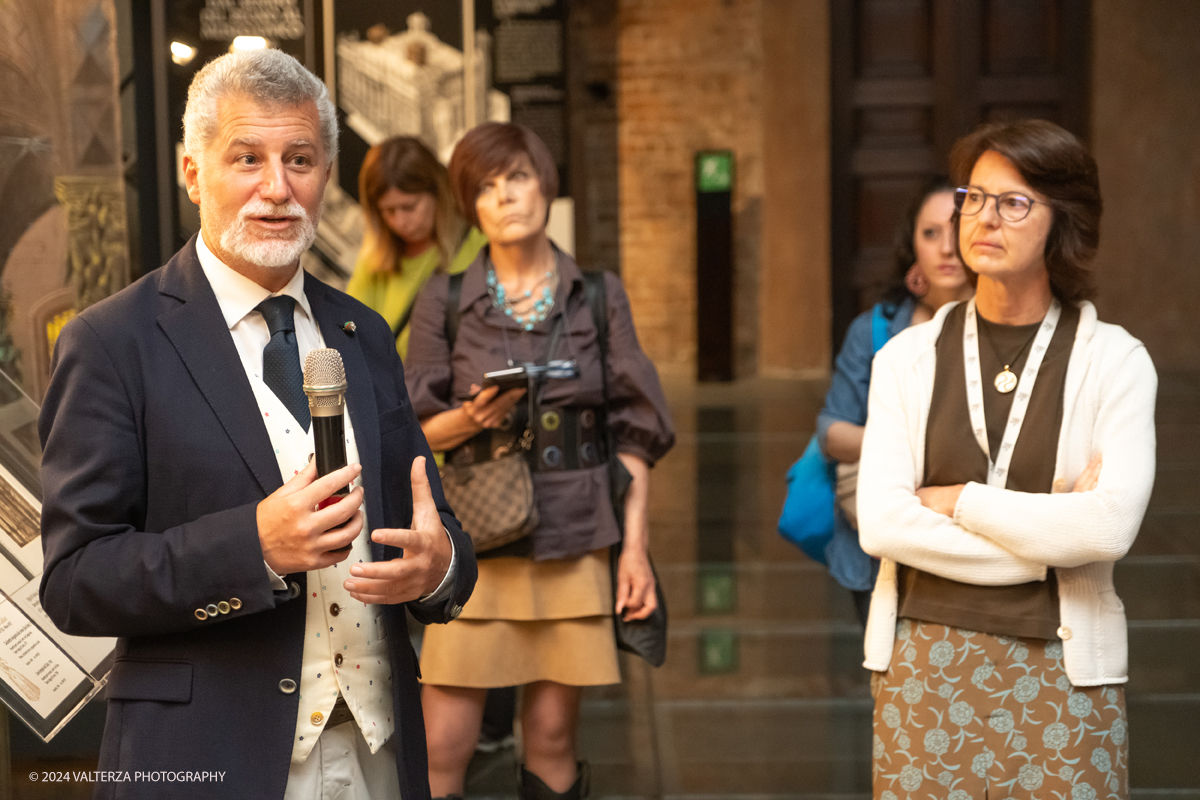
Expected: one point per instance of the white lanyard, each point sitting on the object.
(998, 471)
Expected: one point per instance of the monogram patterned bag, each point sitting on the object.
(493, 500)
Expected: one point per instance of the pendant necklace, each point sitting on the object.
(1005, 381)
(998, 470)
(536, 310)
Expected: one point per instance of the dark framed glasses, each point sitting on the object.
(1011, 206)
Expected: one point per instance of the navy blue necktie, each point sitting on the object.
(281, 357)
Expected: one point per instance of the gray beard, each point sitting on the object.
(272, 252)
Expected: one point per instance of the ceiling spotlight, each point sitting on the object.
(182, 54)
(249, 43)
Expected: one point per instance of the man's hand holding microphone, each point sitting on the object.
(312, 520)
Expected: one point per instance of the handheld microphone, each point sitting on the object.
(325, 386)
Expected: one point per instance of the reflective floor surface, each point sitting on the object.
(763, 695)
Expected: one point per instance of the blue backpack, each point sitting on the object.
(807, 520)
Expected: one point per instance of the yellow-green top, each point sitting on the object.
(393, 292)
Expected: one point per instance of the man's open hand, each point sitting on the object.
(426, 553)
(295, 535)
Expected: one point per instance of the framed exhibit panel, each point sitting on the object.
(397, 68)
(46, 676)
(63, 247)
(406, 69)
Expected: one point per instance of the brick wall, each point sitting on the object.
(689, 79)
(753, 76)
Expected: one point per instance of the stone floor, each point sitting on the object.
(762, 694)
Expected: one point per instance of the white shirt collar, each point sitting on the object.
(236, 294)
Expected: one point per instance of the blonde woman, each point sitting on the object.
(413, 230)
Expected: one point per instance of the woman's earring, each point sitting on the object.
(916, 282)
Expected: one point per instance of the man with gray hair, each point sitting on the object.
(262, 636)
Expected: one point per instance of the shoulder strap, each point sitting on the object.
(597, 300)
(619, 478)
(404, 319)
(453, 293)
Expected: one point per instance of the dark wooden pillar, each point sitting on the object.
(714, 265)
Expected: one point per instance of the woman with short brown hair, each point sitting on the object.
(541, 613)
(1007, 463)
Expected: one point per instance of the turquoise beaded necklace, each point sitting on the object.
(534, 314)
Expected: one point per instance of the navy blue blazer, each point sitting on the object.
(155, 458)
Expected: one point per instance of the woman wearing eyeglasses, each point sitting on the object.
(541, 615)
(1007, 463)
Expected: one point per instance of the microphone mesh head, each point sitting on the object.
(324, 376)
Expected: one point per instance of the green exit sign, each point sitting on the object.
(714, 171)
(717, 652)
(716, 589)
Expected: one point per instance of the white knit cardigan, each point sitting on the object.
(1000, 537)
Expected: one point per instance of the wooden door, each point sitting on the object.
(912, 76)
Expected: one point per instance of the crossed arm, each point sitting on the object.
(991, 536)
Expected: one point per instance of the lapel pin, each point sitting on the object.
(349, 327)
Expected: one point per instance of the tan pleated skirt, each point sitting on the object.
(529, 621)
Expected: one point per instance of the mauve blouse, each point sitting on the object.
(574, 507)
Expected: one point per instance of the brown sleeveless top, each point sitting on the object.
(952, 456)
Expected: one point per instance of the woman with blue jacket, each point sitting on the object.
(929, 274)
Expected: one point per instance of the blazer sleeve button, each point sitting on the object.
(287, 686)
(211, 608)
(293, 590)
(223, 607)
(455, 611)
(234, 603)
(201, 614)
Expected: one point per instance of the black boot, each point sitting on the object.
(531, 787)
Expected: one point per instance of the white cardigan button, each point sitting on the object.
(1063, 632)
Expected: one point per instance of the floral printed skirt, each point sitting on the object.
(963, 715)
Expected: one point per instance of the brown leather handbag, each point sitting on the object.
(493, 499)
